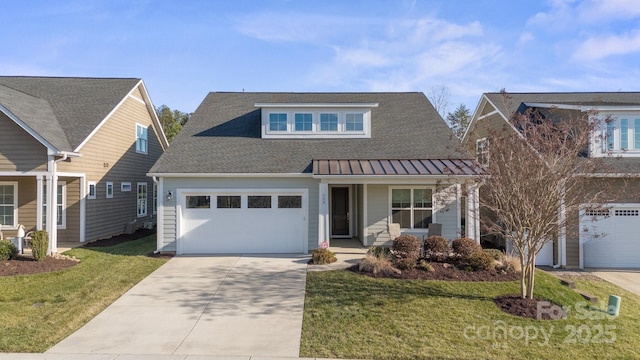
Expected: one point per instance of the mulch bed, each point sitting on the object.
(445, 272)
(25, 264)
(528, 308)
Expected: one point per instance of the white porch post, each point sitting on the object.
(562, 236)
(473, 212)
(83, 211)
(39, 202)
(323, 213)
(52, 223)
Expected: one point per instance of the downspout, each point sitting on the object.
(159, 213)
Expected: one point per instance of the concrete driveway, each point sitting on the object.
(214, 305)
(628, 279)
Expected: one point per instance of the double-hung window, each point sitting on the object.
(142, 199)
(61, 218)
(141, 139)
(9, 204)
(622, 134)
(303, 122)
(412, 208)
(354, 122)
(482, 151)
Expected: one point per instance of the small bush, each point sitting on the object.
(39, 244)
(7, 250)
(406, 250)
(497, 254)
(437, 248)
(465, 247)
(480, 261)
(377, 265)
(380, 252)
(426, 266)
(509, 264)
(322, 256)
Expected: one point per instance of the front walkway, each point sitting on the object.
(347, 251)
(242, 306)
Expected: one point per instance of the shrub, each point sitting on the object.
(480, 261)
(39, 244)
(406, 250)
(322, 256)
(380, 252)
(465, 247)
(377, 265)
(497, 254)
(436, 248)
(7, 250)
(509, 263)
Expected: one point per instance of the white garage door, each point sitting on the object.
(611, 237)
(214, 222)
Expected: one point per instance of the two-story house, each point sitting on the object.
(74, 153)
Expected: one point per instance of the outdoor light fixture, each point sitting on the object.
(169, 195)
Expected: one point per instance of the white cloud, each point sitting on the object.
(602, 10)
(600, 47)
(525, 37)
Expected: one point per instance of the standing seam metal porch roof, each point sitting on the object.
(435, 167)
(224, 135)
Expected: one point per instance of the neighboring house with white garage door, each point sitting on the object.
(288, 172)
(608, 235)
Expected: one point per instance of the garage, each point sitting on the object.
(609, 237)
(241, 222)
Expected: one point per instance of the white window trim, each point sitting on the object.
(316, 112)
(486, 150)
(14, 226)
(63, 205)
(146, 199)
(95, 190)
(411, 209)
(146, 146)
(125, 186)
(599, 143)
(109, 185)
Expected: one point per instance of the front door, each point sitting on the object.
(340, 211)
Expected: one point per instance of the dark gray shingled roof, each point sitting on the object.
(224, 135)
(78, 104)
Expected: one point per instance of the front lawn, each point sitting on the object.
(38, 311)
(348, 315)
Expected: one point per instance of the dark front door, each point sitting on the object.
(340, 211)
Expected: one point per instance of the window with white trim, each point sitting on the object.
(412, 208)
(142, 199)
(125, 186)
(61, 204)
(621, 136)
(141, 139)
(91, 190)
(109, 189)
(9, 204)
(482, 151)
(316, 120)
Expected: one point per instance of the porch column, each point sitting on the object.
(39, 202)
(562, 236)
(473, 212)
(323, 213)
(52, 209)
(83, 211)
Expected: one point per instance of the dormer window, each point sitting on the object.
(620, 136)
(316, 120)
(277, 122)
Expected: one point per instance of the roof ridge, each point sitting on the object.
(69, 77)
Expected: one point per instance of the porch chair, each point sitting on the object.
(394, 230)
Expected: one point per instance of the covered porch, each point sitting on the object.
(358, 199)
(24, 199)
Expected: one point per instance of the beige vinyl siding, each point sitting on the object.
(26, 204)
(110, 156)
(174, 184)
(377, 215)
(19, 151)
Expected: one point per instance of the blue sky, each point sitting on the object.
(184, 49)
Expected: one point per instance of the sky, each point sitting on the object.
(184, 49)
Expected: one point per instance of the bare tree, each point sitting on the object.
(534, 166)
(439, 97)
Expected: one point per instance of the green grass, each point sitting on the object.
(37, 311)
(353, 316)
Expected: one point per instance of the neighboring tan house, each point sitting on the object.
(288, 172)
(593, 238)
(95, 138)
